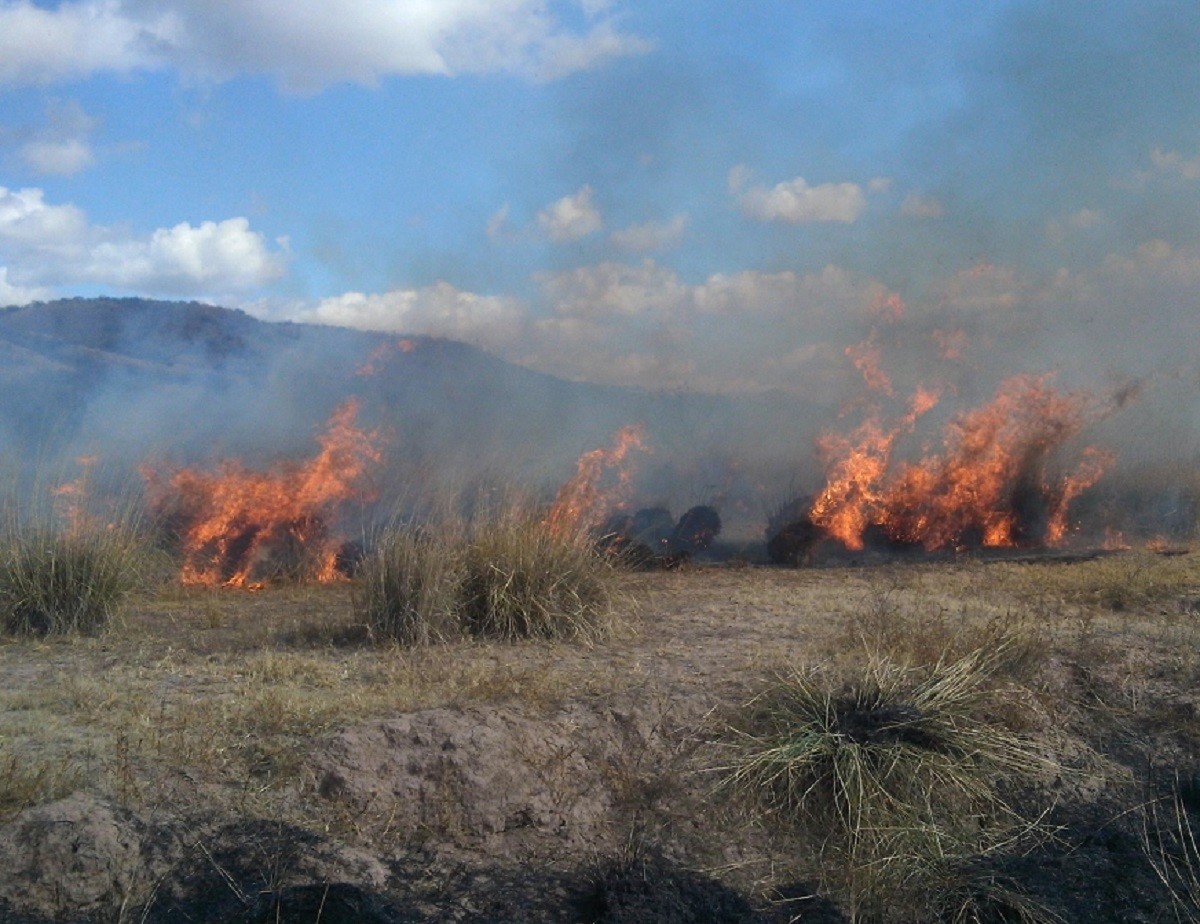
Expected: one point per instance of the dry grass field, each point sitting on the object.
(223, 754)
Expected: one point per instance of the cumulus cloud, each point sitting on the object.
(49, 245)
(795, 202)
(571, 217)
(643, 324)
(651, 235)
(916, 205)
(438, 310)
(306, 44)
(39, 45)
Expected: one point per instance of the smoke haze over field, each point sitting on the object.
(745, 225)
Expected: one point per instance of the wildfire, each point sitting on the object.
(991, 485)
(586, 499)
(70, 497)
(238, 526)
(382, 355)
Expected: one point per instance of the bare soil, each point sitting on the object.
(236, 756)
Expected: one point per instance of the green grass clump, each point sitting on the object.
(505, 577)
(54, 582)
(898, 775)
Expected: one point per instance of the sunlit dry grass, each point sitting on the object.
(503, 576)
(894, 771)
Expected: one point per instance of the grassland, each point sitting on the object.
(521, 773)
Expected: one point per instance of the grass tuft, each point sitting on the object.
(506, 577)
(521, 580)
(409, 587)
(898, 774)
(55, 582)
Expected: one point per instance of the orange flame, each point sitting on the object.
(856, 471)
(868, 360)
(381, 355)
(71, 496)
(585, 500)
(236, 523)
(989, 487)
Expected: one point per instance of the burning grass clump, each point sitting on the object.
(506, 577)
(899, 776)
(56, 581)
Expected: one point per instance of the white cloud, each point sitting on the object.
(807, 299)
(39, 45)
(19, 295)
(1174, 162)
(614, 290)
(27, 222)
(652, 235)
(795, 202)
(61, 144)
(49, 245)
(641, 324)
(497, 226)
(438, 310)
(571, 217)
(983, 289)
(306, 44)
(916, 205)
(1158, 261)
(63, 158)
(213, 256)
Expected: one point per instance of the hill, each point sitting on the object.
(130, 380)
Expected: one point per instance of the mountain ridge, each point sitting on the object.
(128, 379)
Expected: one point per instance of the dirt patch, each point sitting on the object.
(489, 777)
(79, 857)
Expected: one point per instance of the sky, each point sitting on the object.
(689, 195)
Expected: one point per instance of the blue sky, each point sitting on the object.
(700, 195)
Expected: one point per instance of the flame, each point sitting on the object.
(382, 354)
(585, 500)
(233, 520)
(1114, 540)
(856, 471)
(71, 496)
(868, 360)
(990, 486)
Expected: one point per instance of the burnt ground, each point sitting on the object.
(233, 756)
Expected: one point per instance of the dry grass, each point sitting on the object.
(505, 576)
(68, 570)
(52, 583)
(1169, 839)
(521, 580)
(409, 587)
(915, 682)
(898, 772)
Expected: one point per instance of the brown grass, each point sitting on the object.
(503, 576)
(211, 699)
